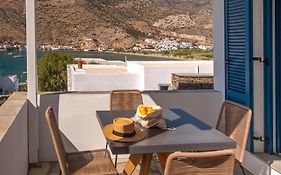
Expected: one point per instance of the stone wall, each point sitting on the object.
(182, 81)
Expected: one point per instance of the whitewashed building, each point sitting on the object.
(143, 75)
(9, 84)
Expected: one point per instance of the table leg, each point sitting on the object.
(132, 163)
(163, 159)
(145, 164)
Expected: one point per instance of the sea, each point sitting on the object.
(14, 63)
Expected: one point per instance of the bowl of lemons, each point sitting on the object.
(148, 111)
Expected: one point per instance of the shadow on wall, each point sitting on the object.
(45, 139)
(14, 146)
(204, 104)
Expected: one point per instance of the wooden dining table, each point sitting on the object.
(190, 134)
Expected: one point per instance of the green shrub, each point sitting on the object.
(119, 50)
(52, 74)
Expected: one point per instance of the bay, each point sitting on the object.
(12, 63)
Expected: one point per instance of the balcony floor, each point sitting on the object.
(52, 168)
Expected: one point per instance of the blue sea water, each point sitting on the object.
(12, 63)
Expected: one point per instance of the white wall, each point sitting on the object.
(105, 81)
(44, 136)
(204, 104)
(155, 75)
(77, 115)
(14, 144)
(219, 54)
(258, 79)
(145, 75)
(137, 69)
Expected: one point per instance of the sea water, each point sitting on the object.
(14, 63)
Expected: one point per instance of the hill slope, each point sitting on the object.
(112, 23)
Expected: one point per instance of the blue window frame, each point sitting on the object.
(238, 54)
(268, 90)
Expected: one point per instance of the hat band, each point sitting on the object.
(124, 134)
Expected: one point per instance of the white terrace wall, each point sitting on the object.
(13, 136)
(81, 131)
(143, 75)
(105, 82)
(137, 69)
(83, 81)
(153, 73)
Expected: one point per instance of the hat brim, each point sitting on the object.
(108, 133)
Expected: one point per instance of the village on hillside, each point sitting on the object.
(152, 45)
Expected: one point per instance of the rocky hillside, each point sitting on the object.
(12, 21)
(111, 23)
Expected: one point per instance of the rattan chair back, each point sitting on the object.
(234, 121)
(57, 140)
(125, 99)
(194, 163)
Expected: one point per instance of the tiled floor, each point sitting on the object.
(274, 160)
(52, 168)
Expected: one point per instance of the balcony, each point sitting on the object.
(24, 136)
(79, 126)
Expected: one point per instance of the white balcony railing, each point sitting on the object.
(81, 131)
(14, 135)
(76, 114)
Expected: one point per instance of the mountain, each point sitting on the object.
(12, 21)
(111, 23)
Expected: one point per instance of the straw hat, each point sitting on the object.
(123, 130)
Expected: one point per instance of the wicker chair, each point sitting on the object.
(78, 163)
(207, 163)
(234, 121)
(124, 100)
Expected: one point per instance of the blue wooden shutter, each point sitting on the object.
(238, 50)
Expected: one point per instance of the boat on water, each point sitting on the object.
(18, 56)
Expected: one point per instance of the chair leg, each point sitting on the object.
(243, 171)
(115, 163)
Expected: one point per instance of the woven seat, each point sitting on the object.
(96, 162)
(195, 163)
(125, 99)
(234, 121)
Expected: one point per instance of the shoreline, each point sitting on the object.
(133, 54)
(149, 55)
(158, 56)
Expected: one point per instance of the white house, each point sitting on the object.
(143, 75)
(9, 84)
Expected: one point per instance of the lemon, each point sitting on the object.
(142, 110)
(150, 110)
